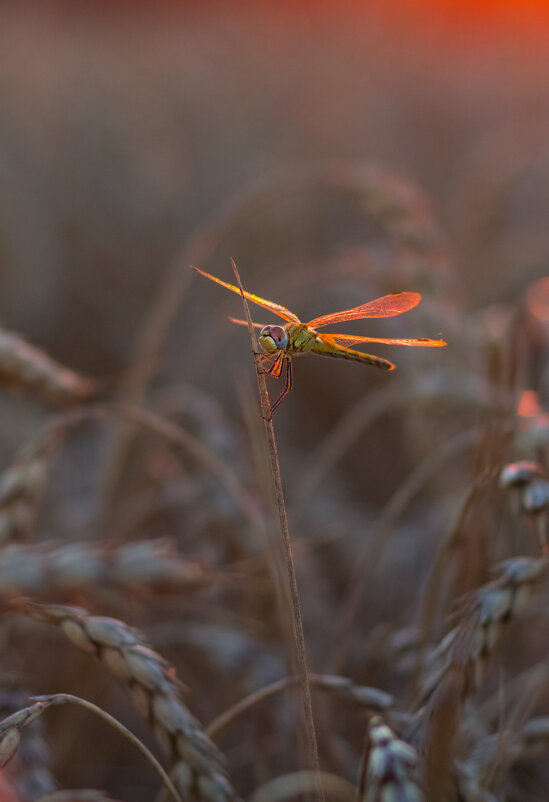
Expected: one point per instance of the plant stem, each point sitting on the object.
(297, 624)
(69, 698)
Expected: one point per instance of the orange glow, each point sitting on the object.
(470, 23)
(477, 16)
(537, 299)
(500, 8)
(528, 405)
(473, 9)
(470, 11)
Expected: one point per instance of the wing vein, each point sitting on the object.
(347, 340)
(278, 309)
(387, 306)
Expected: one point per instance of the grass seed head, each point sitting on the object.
(91, 568)
(518, 474)
(391, 768)
(155, 692)
(12, 726)
(24, 367)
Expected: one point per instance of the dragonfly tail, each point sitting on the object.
(355, 356)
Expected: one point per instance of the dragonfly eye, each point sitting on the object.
(273, 338)
(279, 336)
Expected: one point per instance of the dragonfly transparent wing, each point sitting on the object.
(346, 340)
(245, 323)
(387, 306)
(279, 310)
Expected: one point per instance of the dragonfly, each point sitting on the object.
(282, 342)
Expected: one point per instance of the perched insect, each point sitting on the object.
(281, 343)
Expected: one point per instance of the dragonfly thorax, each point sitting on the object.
(273, 338)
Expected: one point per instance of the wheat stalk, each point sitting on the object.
(11, 729)
(198, 765)
(457, 664)
(53, 569)
(22, 366)
(286, 543)
(29, 773)
(391, 768)
(491, 608)
(342, 688)
(21, 485)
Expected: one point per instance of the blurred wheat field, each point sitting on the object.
(337, 154)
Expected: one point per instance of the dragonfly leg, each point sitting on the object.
(275, 368)
(287, 388)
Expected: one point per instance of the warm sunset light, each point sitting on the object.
(346, 600)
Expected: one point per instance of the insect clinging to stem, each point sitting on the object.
(281, 342)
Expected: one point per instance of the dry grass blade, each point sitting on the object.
(198, 766)
(48, 568)
(390, 767)
(22, 366)
(67, 698)
(297, 624)
(11, 729)
(344, 689)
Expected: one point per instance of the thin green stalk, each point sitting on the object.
(297, 624)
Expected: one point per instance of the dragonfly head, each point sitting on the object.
(273, 338)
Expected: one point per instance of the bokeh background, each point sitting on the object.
(337, 151)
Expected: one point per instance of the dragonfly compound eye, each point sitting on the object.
(273, 338)
(279, 336)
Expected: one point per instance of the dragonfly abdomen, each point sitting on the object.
(326, 349)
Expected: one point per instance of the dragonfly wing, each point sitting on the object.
(279, 310)
(347, 340)
(388, 306)
(245, 323)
